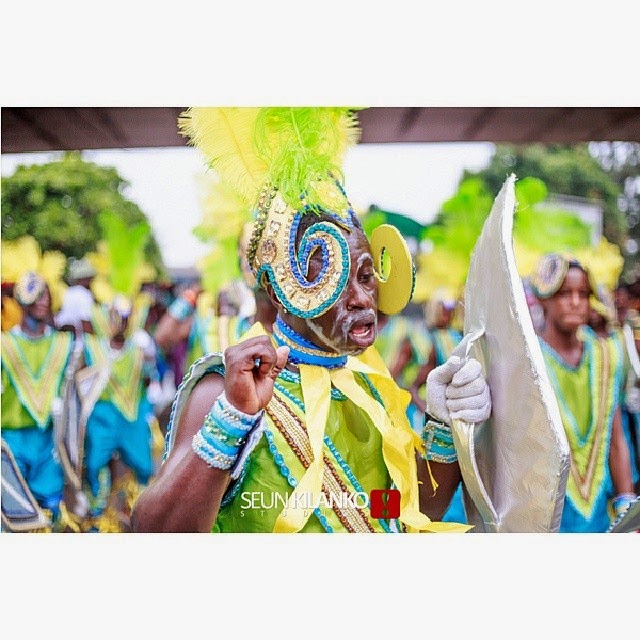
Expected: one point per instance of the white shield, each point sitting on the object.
(514, 466)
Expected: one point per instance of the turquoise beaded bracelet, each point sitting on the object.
(222, 436)
(438, 441)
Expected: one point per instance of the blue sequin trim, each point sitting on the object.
(295, 267)
(284, 335)
(290, 376)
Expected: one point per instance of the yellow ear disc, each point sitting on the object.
(397, 277)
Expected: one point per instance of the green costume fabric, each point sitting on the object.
(32, 372)
(588, 395)
(254, 500)
(283, 454)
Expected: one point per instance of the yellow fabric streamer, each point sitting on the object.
(398, 446)
(316, 392)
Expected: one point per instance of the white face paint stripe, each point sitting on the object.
(342, 322)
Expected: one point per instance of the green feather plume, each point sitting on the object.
(304, 145)
(125, 249)
(291, 147)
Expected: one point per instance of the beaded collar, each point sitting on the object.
(302, 351)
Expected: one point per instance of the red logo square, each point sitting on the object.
(384, 503)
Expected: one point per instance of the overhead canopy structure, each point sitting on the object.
(34, 129)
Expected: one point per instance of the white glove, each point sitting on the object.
(458, 391)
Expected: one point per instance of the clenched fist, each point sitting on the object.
(251, 368)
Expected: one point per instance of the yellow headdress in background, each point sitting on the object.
(24, 255)
(226, 217)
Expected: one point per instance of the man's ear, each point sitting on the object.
(268, 287)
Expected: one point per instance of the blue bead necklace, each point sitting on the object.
(302, 351)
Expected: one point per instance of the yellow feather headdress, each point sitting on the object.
(286, 162)
(25, 255)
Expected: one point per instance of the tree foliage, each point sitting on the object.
(537, 229)
(574, 170)
(621, 161)
(566, 170)
(59, 204)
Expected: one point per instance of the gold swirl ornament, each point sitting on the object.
(274, 254)
(396, 276)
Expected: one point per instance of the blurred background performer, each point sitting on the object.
(627, 330)
(439, 318)
(119, 441)
(34, 360)
(217, 312)
(405, 346)
(78, 302)
(586, 374)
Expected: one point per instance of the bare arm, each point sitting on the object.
(402, 359)
(619, 460)
(170, 331)
(186, 494)
(448, 476)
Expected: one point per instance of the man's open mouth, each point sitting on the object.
(363, 333)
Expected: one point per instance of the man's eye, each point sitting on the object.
(366, 277)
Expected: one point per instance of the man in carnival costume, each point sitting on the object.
(585, 373)
(34, 361)
(119, 426)
(303, 418)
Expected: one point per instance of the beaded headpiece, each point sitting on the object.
(550, 273)
(287, 161)
(29, 288)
